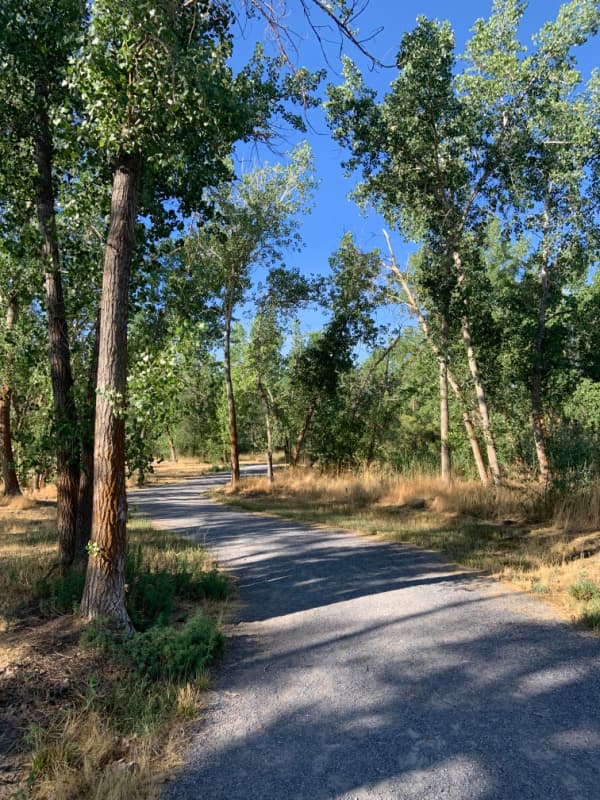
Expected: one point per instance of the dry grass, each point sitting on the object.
(73, 724)
(82, 758)
(27, 547)
(543, 542)
(164, 472)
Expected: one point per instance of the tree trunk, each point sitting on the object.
(65, 414)
(488, 436)
(537, 415)
(445, 459)
(267, 409)
(172, 449)
(312, 406)
(234, 455)
(471, 435)
(104, 592)
(468, 423)
(9, 473)
(86, 479)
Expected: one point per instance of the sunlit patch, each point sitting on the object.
(547, 680)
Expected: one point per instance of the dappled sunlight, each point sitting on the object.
(361, 668)
(541, 541)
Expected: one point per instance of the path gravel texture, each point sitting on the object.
(361, 669)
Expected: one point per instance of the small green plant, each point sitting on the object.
(585, 589)
(539, 588)
(161, 653)
(152, 589)
(51, 754)
(61, 594)
(590, 616)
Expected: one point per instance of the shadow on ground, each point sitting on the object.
(369, 670)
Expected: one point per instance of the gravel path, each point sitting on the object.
(361, 669)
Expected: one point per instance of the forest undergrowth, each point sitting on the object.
(542, 539)
(84, 711)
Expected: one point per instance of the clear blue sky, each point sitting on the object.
(334, 213)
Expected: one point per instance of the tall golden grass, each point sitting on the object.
(525, 503)
(543, 539)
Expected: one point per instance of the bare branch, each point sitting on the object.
(286, 39)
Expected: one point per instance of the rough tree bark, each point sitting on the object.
(85, 500)
(234, 456)
(172, 449)
(312, 407)
(482, 405)
(9, 473)
(104, 591)
(445, 458)
(65, 413)
(470, 429)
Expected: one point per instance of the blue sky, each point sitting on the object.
(334, 213)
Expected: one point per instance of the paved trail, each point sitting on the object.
(361, 669)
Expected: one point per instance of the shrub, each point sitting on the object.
(161, 653)
(152, 589)
(174, 654)
(585, 589)
(62, 593)
(590, 616)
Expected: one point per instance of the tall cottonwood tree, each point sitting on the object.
(162, 107)
(7, 459)
(544, 180)
(446, 376)
(257, 218)
(36, 42)
(439, 151)
(319, 364)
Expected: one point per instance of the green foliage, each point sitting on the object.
(490, 168)
(168, 653)
(151, 75)
(590, 616)
(61, 594)
(152, 590)
(161, 653)
(585, 589)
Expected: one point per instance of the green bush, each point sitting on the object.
(591, 614)
(212, 585)
(161, 653)
(585, 589)
(61, 594)
(150, 598)
(152, 590)
(173, 654)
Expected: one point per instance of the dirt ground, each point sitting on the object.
(40, 665)
(41, 669)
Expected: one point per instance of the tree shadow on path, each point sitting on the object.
(362, 669)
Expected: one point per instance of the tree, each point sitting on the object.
(256, 219)
(318, 366)
(9, 473)
(161, 107)
(36, 41)
(445, 374)
(285, 293)
(439, 152)
(546, 178)
(266, 340)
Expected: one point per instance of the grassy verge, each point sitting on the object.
(86, 713)
(544, 542)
